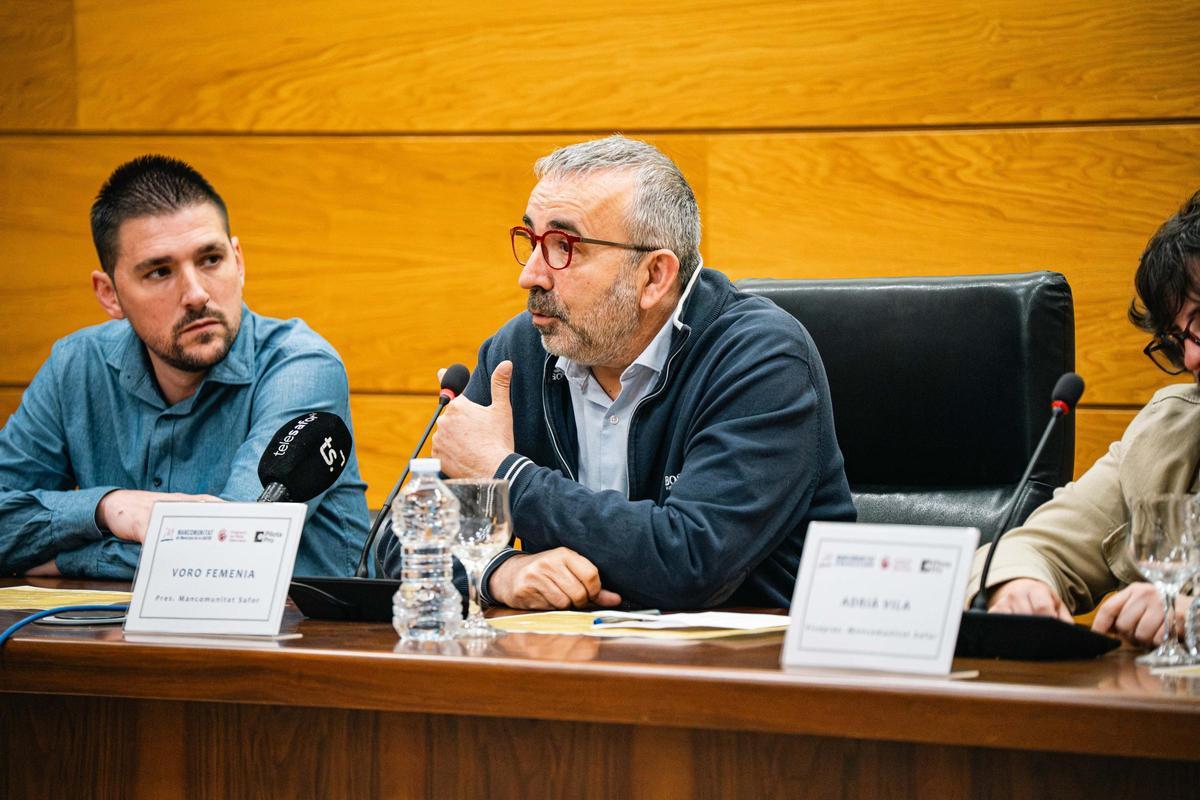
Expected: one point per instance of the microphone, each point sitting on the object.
(1028, 636)
(359, 597)
(306, 456)
(454, 381)
(1067, 392)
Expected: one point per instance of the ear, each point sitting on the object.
(106, 292)
(239, 258)
(660, 279)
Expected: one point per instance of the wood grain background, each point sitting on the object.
(824, 139)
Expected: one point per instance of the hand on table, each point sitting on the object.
(126, 512)
(1135, 614)
(471, 440)
(555, 579)
(47, 570)
(1027, 596)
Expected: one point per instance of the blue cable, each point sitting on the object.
(49, 612)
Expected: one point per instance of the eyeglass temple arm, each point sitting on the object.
(623, 245)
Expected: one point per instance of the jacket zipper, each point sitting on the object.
(662, 386)
(549, 427)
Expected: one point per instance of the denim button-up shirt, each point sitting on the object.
(93, 420)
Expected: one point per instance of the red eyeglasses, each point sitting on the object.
(557, 246)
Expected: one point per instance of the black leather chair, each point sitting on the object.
(941, 389)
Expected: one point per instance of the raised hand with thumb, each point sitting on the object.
(471, 440)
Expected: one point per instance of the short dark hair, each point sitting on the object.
(1167, 273)
(147, 186)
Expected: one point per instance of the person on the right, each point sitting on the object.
(1070, 553)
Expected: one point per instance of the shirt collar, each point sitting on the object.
(653, 357)
(687, 292)
(128, 357)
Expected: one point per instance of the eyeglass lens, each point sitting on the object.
(1167, 355)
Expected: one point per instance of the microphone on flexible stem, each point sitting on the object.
(1067, 392)
(359, 597)
(1028, 636)
(454, 381)
(305, 457)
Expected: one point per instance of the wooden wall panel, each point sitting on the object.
(1080, 201)
(37, 64)
(1095, 430)
(10, 398)
(395, 248)
(365, 66)
(386, 428)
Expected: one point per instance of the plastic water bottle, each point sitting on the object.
(426, 607)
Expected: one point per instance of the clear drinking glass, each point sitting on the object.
(485, 527)
(1162, 542)
(1192, 623)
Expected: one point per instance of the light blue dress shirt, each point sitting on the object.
(94, 418)
(602, 423)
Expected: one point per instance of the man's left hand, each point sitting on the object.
(1135, 614)
(47, 570)
(471, 440)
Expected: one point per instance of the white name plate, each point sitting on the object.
(215, 568)
(879, 597)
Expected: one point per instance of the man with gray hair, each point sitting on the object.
(666, 438)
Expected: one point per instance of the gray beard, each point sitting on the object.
(595, 336)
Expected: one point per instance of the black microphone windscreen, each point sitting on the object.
(306, 455)
(1068, 390)
(455, 378)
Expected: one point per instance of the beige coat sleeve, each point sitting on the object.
(1076, 541)
(1061, 542)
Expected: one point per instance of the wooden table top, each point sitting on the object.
(1108, 705)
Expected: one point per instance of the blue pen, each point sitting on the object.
(617, 620)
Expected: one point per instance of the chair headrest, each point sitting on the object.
(946, 380)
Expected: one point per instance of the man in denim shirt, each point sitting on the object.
(175, 399)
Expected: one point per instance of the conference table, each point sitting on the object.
(346, 711)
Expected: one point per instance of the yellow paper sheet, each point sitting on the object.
(1186, 671)
(35, 598)
(547, 622)
(582, 623)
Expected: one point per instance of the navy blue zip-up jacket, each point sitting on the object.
(731, 455)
